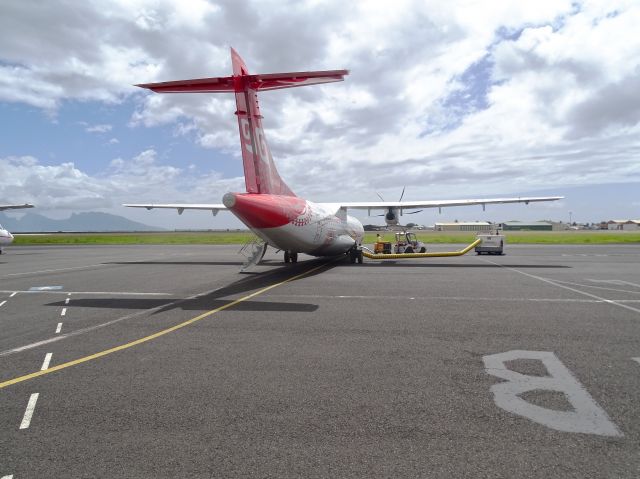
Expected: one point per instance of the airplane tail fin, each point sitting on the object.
(260, 173)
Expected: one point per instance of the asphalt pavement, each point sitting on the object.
(165, 361)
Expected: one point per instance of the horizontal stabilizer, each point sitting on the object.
(270, 81)
(198, 85)
(276, 81)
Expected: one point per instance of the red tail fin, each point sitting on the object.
(260, 173)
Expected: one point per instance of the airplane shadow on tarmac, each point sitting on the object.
(254, 282)
(180, 263)
(218, 298)
(190, 263)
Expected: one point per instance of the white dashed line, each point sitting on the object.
(558, 285)
(7, 477)
(66, 301)
(28, 414)
(109, 293)
(3, 302)
(59, 328)
(13, 294)
(63, 312)
(53, 270)
(47, 360)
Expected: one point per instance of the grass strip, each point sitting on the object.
(241, 237)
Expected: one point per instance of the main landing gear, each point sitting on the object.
(290, 257)
(355, 255)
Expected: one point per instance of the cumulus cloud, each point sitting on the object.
(451, 98)
(137, 179)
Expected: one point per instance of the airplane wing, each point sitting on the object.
(408, 205)
(214, 208)
(15, 207)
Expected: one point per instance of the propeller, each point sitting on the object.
(390, 215)
(401, 195)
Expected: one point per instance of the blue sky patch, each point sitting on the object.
(92, 134)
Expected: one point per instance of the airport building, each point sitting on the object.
(532, 226)
(465, 226)
(624, 225)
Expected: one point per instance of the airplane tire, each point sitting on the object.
(294, 257)
(287, 257)
(359, 258)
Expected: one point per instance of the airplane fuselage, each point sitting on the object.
(297, 225)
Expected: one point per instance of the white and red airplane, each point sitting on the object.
(6, 237)
(269, 207)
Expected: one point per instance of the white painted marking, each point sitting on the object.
(78, 332)
(116, 293)
(52, 270)
(587, 416)
(59, 328)
(629, 283)
(66, 301)
(13, 294)
(636, 360)
(614, 282)
(28, 414)
(7, 477)
(63, 312)
(2, 303)
(554, 283)
(610, 281)
(47, 360)
(590, 286)
(45, 288)
(454, 298)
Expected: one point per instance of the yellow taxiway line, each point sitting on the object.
(151, 337)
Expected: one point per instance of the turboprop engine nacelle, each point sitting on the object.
(391, 218)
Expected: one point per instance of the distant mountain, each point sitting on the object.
(94, 221)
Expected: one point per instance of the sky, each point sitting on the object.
(448, 99)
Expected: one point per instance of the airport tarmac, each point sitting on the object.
(165, 361)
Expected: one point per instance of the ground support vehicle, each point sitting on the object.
(367, 253)
(490, 244)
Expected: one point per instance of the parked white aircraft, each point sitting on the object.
(6, 237)
(392, 215)
(269, 207)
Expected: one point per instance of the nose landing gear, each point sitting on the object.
(355, 255)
